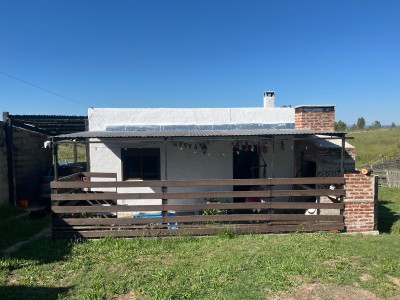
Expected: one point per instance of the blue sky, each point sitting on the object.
(201, 54)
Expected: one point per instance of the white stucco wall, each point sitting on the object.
(185, 164)
(100, 118)
(182, 164)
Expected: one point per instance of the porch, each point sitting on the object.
(96, 208)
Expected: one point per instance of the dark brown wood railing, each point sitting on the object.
(92, 210)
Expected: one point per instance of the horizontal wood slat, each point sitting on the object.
(191, 183)
(195, 207)
(100, 175)
(239, 229)
(196, 219)
(194, 195)
(240, 217)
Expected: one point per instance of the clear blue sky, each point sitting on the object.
(201, 54)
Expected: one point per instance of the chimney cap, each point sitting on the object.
(318, 105)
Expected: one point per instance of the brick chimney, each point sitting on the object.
(269, 99)
(315, 117)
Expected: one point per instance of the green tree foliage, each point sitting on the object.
(393, 125)
(376, 125)
(340, 126)
(353, 127)
(360, 123)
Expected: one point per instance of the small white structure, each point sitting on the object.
(199, 143)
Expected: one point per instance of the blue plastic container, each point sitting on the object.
(171, 225)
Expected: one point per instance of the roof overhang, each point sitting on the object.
(174, 134)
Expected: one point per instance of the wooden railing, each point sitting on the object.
(273, 208)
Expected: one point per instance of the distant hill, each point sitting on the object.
(374, 146)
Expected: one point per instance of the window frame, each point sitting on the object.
(140, 154)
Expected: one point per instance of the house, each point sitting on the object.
(200, 144)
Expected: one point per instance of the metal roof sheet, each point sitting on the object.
(193, 133)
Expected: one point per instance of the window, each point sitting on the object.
(141, 163)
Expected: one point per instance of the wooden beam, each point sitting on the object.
(195, 219)
(197, 195)
(191, 183)
(196, 207)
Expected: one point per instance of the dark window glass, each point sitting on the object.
(141, 163)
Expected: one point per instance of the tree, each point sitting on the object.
(340, 126)
(393, 125)
(353, 127)
(361, 123)
(376, 125)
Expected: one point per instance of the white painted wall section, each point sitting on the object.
(100, 118)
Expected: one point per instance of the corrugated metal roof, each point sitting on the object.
(193, 133)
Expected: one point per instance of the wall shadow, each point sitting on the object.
(386, 217)
(17, 292)
(44, 250)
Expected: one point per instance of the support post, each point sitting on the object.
(55, 164)
(12, 192)
(75, 152)
(164, 200)
(87, 148)
(342, 156)
(55, 159)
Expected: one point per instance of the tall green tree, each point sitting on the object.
(376, 125)
(340, 126)
(360, 123)
(393, 125)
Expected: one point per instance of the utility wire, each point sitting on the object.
(46, 90)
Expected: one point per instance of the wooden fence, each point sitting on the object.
(393, 179)
(91, 210)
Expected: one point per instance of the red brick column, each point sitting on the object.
(361, 203)
(315, 117)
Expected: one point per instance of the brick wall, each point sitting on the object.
(361, 203)
(4, 195)
(315, 118)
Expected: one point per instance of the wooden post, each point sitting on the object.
(12, 191)
(87, 148)
(55, 159)
(164, 201)
(164, 189)
(342, 156)
(75, 152)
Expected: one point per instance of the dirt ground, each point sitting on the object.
(327, 292)
(310, 292)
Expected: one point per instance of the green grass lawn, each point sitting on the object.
(218, 267)
(371, 143)
(66, 152)
(389, 210)
(15, 225)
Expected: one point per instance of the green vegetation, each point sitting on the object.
(15, 225)
(389, 210)
(66, 152)
(360, 123)
(340, 126)
(219, 267)
(374, 145)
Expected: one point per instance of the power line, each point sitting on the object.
(46, 90)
